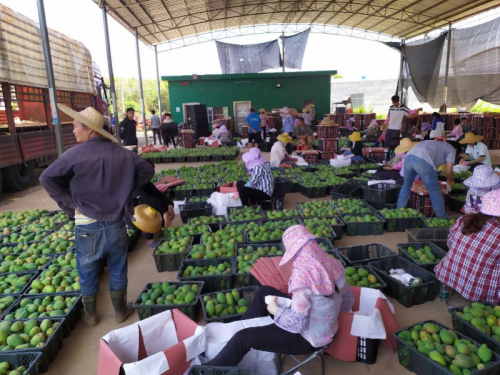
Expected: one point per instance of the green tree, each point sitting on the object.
(338, 76)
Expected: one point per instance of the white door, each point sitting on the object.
(241, 111)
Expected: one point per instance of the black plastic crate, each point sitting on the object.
(351, 189)
(217, 157)
(213, 283)
(421, 364)
(436, 250)
(408, 296)
(381, 206)
(246, 292)
(194, 210)
(169, 262)
(455, 205)
(247, 279)
(181, 194)
(364, 229)
(204, 192)
(399, 224)
(208, 370)
(31, 275)
(279, 223)
(215, 226)
(192, 159)
(467, 329)
(190, 309)
(438, 236)
(282, 185)
(257, 210)
(313, 191)
(382, 193)
(361, 255)
(196, 237)
(28, 360)
(372, 271)
(180, 159)
(367, 350)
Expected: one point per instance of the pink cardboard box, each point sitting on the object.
(164, 344)
(230, 187)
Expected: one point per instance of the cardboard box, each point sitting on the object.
(230, 187)
(164, 344)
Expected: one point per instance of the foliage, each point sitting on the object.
(338, 76)
(381, 117)
(485, 107)
(360, 109)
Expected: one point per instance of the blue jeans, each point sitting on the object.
(358, 159)
(414, 165)
(101, 240)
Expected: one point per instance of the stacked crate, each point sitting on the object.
(336, 118)
(489, 127)
(328, 136)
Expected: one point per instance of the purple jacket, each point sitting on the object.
(96, 177)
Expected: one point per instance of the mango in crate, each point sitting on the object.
(223, 268)
(423, 255)
(168, 294)
(248, 255)
(219, 305)
(174, 246)
(361, 277)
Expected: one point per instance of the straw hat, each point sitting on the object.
(147, 219)
(306, 110)
(356, 136)
(262, 110)
(293, 111)
(471, 138)
(484, 177)
(285, 138)
(90, 118)
(491, 203)
(327, 122)
(404, 146)
(311, 105)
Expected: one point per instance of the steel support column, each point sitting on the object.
(400, 80)
(158, 81)
(283, 45)
(50, 77)
(140, 87)
(110, 70)
(448, 52)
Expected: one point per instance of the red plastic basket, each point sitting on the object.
(244, 131)
(329, 145)
(327, 155)
(310, 158)
(328, 132)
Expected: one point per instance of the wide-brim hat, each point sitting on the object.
(355, 137)
(373, 123)
(285, 138)
(327, 122)
(262, 110)
(293, 111)
(89, 117)
(404, 146)
(147, 219)
(294, 239)
(311, 105)
(306, 110)
(491, 203)
(470, 138)
(484, 177)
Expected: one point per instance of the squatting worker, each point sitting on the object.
(254, 128)
(319, 292)
(303, 133)
(423, 160)
(83, 182)
(128, 129)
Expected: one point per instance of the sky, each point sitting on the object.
(82, 20)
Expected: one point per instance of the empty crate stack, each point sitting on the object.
(489, 127)
(328, 140)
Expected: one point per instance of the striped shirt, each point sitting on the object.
(397, 114)
(83, 220)
(262, 179)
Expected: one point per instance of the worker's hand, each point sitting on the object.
(171, 212)
(272, 307)
(387, 168)
(463, 162)
(167, 219)
(450, 182)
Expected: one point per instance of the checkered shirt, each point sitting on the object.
(472, 265)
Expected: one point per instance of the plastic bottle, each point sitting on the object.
(443, 293)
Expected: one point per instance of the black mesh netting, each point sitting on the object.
(251, 58)
(295, 46)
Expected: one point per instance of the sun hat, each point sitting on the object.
(351, 120)
(311, 105)
(285, 138)
(425, 126)
(293, 111)
(147, 219)
(285, 110)
(355, 137)
(306, 110)
(327, 122)
(483, 177)
(471, 138)
(89, 117)
(491, 203)
(404, 146)
(215, 125)
(262, 110)
(253, 158)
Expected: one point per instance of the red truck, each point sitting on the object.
(27, 138)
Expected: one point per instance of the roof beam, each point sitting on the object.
(151, 19)
(324, 9)
(359, 10)
(402, 12)
(337, 12)
(386, 6)
(309, 7)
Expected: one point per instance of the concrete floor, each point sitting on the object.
(80, 351)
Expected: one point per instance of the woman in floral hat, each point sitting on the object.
(482, 181)
(471, 265)
(319, 292)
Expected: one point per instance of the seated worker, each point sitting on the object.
(278, 152)
(223, 135)
(254, 128)
(372, 131)
(482, 182)
(350, 125)
(437, 126)
(395, 171)
(356, 152)
(423, 160)
(261, 184)
(465, 124)
(306, 115)
(474, 253)
(476, 153)
(424, 131)
(319, 292)
(457, 131)
(303, 133)
(215, 130)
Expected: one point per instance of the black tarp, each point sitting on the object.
(251, 58)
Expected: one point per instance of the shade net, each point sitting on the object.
(252, 58)
(295, 46)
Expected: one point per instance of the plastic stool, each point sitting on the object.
(317, 354)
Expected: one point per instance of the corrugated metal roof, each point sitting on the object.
(160, 21)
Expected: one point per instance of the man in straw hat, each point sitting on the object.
(83, 182)
(476, 153)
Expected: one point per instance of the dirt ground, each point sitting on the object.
(79, 354)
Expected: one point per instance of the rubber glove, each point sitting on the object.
(272, 307)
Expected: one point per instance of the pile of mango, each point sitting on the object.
(6, 302)
(423, 256)
(484, 318)
(359, 276)
(317, 209)
(439, 223)
(25, 238)
(66, 262)
(23, 262)
(460, 198)
(185, 230)
(443, 346)
(400, 213)
(174, 246)
(286, 213)
(245, 213)
(459, 186)
(368, 166)
(343, 171)
(52, 306)
(220, 269)
(51, 246)
(262, 234)
(13, 283)
(360, 219)
(169, 294)
(281, 224)
(229, 233)
(197, 199)
(8, 368)
(50, 281)
(42, 224)
(247, 256)
(9, 218)
(321, 221)
(213, 246)
(333, 180)
(206, 220)
(352, 206)
(320, 230)
(26, 335)
(220, 305)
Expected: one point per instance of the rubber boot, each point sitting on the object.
(90, 310)
(122, 309)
